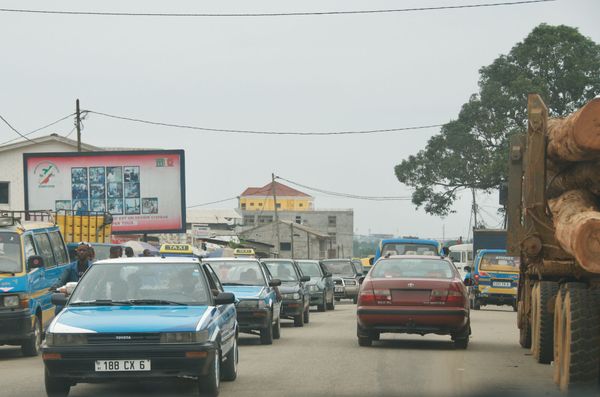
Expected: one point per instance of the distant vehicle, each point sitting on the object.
(489, 239)
(101, 250)
(244, 253)
(413, 295)
(462, 255)
(495, 277)
(294, 289)
(345, 278)
(143, 319)
(320, 285)
(407, 246)
(33, 258)
(258, 309)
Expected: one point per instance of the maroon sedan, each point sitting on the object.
(413, 295)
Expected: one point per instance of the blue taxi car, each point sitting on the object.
(143, 318)
(258, 309)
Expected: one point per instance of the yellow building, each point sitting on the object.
(288, 199)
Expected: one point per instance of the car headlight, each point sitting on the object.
(184, 337)
(11, 301)
(53, 339)
(314, 288)
(294, 296)
(251, 304)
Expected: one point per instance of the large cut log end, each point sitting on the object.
(586, 244)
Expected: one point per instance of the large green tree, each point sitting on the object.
(471, 152)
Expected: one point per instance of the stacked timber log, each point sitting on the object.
(573, 183)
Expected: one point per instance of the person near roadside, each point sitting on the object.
(129, 252)
(116, 251)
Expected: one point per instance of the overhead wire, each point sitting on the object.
(37, 129)
(261, 132)
(14, 129)
(213, 202)
(267, 14)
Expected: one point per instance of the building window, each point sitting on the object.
(243, 206)
(3, 192)
(252, 204)
(265, 219)
(260, 204)
(332, 221)
(278, 205)
(299, 219)
(248, 220)
(300, 205)
(333, 238)
(285, 246)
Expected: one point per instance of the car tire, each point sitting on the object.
(277, 329)
(323, 307)
(461, 339)
(306, 315)
(355, 300)
(31, 347)
(476, 304)
(208, 385)
(338, 299)
(365, 341)
(299, 320)
(266, 334)
(56, 387)
(229, 370)
(331, 304)
(375, 336)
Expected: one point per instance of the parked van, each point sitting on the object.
(495, 277)
(33, 257)
(462, 255)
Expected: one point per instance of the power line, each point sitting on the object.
(38, 129)
(212, 202)
(348, 195)
(14, 129)
(257, 132)
(267, 14)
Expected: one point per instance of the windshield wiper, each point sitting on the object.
(235, 284)
(154, 302)
(7, 272)
(97, 302)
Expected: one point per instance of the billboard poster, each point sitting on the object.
(143, 190)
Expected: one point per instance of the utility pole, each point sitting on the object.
(78, 124)
(474, 209)
(276, 214)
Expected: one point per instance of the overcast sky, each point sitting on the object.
(310, 73)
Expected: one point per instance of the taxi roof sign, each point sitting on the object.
(181, 249)
(244, 252)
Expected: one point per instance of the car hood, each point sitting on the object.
(106, 319)
(289, 287)
(245, 291)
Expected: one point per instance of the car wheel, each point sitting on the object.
(31, 347)
(56, 387)
(307, 315)
(331, 304)
(375, 336)
(229, 371)
(355, 300)
(277, 329)
(299, 320)
(323, 307)
(461, 339)
(208, 385)
(266, 334)
(476, 304)
(365, 341)
(338, 299)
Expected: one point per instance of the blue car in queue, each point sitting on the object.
(259, 303)
(320, 286)
(294, 289)
(143, 319)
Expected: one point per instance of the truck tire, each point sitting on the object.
(558, 335)
(542, 321)
(524, 326)
(580, 361)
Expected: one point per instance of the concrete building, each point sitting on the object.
(12, 192)
(296, 241)
(288, 199)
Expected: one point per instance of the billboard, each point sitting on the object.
(143, 190)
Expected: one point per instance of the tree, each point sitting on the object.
(471, 152)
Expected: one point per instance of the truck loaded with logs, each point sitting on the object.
(554, 226)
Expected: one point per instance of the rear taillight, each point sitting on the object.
(455, 298)
(369, 296)
(483, 274)
(449, 297)
(438, 296)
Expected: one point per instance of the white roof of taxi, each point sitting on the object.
(229, 259)
(414, 257)
(149, 259)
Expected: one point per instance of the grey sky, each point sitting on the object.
(315, 73)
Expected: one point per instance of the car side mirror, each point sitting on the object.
(35, 262)
(224, 298)
(361, 279)
(275, 282)
(304, 279)
(467, 268)
(327, 274)
(59, 299)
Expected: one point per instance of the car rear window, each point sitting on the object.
(499, 263)
(413, 268)
(408, 249)
(238, 273)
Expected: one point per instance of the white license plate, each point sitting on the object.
(122, 365)
(339, 289)
(502, 284)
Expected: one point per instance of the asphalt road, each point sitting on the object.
(324, 359)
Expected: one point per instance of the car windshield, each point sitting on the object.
(282, 270)
(310, 268)
(408, 249)
(412, 268)
(10, 253)
(239, 272)
(340, 268)
(499, 263)
(153, 283)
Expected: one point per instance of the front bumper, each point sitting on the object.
(346, 291)
(317, 298)
(167, 361)
(413, 320)
(291, 308)
(15, 326)
(253, 319)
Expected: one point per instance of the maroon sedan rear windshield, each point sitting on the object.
(413, 268)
